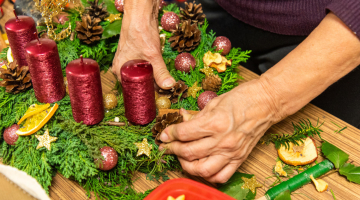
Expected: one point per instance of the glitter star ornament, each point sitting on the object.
(144, 148)
(208, 71)
(45, 140)
(250, 183)
(192, 91)
(113, 17)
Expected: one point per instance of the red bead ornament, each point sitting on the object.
(204, 98)
(44, 64)
(84, 82)
(20, 30)
(184, 61)
(10, 135)
(224, 43)
(169, 21)
(137, 81)
(119, 4)
(110, 158)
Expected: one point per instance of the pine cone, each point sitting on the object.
(89, 29)
(180, 88)
(15, 78)
(163, 122)
(97, 11)
(211, 83)
(193, 12)
(186, 37)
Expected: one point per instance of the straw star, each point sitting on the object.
(207, 71)
(250, 183)
(113, 17)
(192, 91)
(45, 140)
(144, 148)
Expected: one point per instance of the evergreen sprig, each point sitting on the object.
(302, 130)
(3, 53)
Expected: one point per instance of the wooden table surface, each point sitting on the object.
(260, 162)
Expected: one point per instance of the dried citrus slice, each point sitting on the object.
(9, 56)
(32, 110)
(35, 122)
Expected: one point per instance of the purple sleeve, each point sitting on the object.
(349, 12)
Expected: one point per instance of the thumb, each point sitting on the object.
(161, 74)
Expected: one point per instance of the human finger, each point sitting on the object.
(205, 167)
(161, 74)
(186, 115)
(185, 131)
(190, 150)
(224, 174)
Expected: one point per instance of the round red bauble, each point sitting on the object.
(110, 158)
(169, 21)
(119, 5)
(162, 3)
(224, 43)
(183, 62)
(10, 135)
(204, 98)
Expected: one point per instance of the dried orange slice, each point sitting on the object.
(36, 121)
(32, 110)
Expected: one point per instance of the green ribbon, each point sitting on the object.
(300, 180)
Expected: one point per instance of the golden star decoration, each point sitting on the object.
(45, 140)
(250, 183)
(207, 71)
(113, 17)
(193, 90)
(144, 148)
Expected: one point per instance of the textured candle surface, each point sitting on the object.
(45, 69)
(20, 31)
(85, 91)
(138, 89)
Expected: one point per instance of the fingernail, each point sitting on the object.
(168, 82)
(164, 137)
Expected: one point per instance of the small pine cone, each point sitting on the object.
(211, 83)
(15, 78)
(186, 37)
(89, 29)
(180, 88)
(96, 10)
(163, 122)
(193, 12)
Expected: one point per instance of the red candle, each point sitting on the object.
(138, 89)
(20, 30)
(44, 63)
(83, 76)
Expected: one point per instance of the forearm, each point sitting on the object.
(141, 13)
(330, 52)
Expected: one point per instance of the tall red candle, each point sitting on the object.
(20, 30)
(44, 63)
(138, 89)
(83, 76)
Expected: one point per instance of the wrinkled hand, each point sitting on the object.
(139, 39)
(216, 141)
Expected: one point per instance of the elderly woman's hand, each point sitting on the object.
(214, 143)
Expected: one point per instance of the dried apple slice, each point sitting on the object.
(304, 154)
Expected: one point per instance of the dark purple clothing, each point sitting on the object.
(293, 17)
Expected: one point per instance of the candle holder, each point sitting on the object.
(44, 63)
(83, 76)
(137, 81)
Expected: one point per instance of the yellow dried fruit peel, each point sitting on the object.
(32, 110)
(320, 185)
(181, 197)
(279, 169)
(222, 66)
(210, 58)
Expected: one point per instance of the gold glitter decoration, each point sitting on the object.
(163, 103)
(110, 101)
(192, 91)
(45, 140)
(144, 148)
(207, 71)
(48, 10)
(113, 17)
(250, 183)
(162, 39)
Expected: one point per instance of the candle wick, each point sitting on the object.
(82, 60)
(16, 15)
(37, 38)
